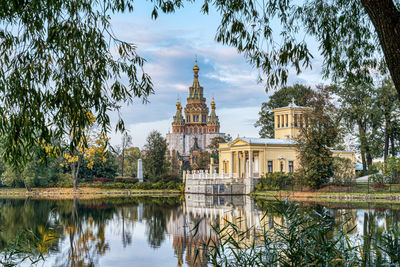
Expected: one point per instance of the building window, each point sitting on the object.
(188, 118)
(281, 166)
(270, 168)
(278, 121)
(204, 118)
(287, 120)
(195, 130)
(291, 170)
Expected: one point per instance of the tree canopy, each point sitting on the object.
(60, 60)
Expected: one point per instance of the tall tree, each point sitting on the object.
(89, 148)
(359, 112)
(387, 103)
(57, 62)
(154, 161)
(281, 98)
(316, 139)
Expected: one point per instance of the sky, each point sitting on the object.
(170, 44)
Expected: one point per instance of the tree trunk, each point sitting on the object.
(392, 143)
(386, 20)
(363, 145)
(74, 178)
(27, 187)
(386, 147)
(75, 172)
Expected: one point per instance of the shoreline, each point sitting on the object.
(329, 197)
(82, 193)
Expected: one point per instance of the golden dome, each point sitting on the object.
(196, 68)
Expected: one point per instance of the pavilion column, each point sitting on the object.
(231, 164)
(237, 164)
(250, 164)
(242, 164)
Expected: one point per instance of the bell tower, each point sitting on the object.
(196, 109)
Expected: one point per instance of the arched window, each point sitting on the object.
(195, 130)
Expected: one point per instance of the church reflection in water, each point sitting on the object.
(201, 212)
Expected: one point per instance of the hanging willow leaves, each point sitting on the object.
(60, 60)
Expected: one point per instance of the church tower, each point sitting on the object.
(198, 126)
(196, 110)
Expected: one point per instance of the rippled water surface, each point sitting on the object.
(149, 231)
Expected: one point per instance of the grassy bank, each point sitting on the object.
(318, 196)
(82, 193)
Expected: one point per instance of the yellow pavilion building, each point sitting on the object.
(253, 157)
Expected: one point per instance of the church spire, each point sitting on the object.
(213, 118)
(195, 90)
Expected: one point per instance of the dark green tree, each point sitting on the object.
(281, 98)
(154, 162)
(319, 134)
(103, 166)
(360, 113)
(388, 104)
(214, 144)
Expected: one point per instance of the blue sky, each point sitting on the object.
(169, 44)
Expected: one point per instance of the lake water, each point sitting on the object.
(148, 231)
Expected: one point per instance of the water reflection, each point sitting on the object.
(155, 231)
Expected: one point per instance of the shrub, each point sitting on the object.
(126, 180)
(275, 181)
(102, 179)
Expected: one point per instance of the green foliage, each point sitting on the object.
(345, 35)
(275, 181)
(370, 110)
(343, 171)
(19, 178)
(389, 170)
(106, 169)
(315, 141)
(70, 68)
(281, 98)
(154, 162)
(132, 154)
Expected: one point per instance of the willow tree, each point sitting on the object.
(355, 37)
(60, 59)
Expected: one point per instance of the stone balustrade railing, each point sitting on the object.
(207, 175)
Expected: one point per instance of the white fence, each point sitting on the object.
(207, 175)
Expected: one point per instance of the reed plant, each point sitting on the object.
(299, 237)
